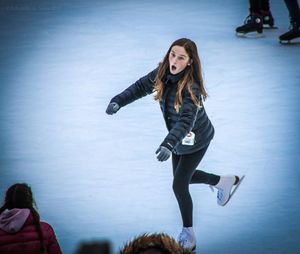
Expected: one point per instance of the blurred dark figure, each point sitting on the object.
(21, 231)
(260, 17)
(154, 244)
(102, 247)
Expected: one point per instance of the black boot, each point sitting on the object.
(292, 34)
(268, 19)
(252, 23)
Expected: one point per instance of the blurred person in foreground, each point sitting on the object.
(21, 231)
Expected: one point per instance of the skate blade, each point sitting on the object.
(295, 41)
(267, 27)
(235, 188)
(251, 35)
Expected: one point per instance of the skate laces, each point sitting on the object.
(219, 194)
(291, 27)
(182, 239)
(248, 19)
(294, 26)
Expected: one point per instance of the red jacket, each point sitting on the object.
(19, 236)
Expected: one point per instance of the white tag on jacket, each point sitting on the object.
(189, 139)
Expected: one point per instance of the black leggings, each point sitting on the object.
(294, 11)
(184, 171)
(259, 5)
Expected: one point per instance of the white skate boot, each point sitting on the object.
(187, 238)
(226, 188)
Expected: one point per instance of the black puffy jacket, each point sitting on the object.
(189, 118)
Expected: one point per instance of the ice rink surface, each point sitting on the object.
(96, 176)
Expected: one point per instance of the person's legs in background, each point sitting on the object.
(260, 15)
(254, 21)
(294, 13)
(268, 20)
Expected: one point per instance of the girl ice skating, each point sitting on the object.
(179, 89)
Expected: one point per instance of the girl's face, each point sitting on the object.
(178, 59)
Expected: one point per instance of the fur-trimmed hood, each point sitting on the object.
(160, 241)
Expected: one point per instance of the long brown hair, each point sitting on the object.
(20, 195)
(192, 74)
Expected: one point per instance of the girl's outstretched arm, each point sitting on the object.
(139, 89)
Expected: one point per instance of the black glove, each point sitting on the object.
(112, 108)
(163, 153)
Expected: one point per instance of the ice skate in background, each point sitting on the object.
(255, 23)
(260, 17)
(292, 36)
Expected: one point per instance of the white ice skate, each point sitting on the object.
(226, 188)
(187, 238)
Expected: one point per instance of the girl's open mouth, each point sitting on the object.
(173, 68)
